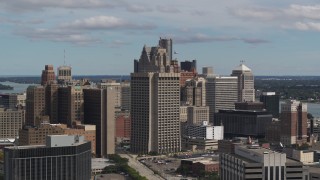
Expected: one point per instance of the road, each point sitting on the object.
(143, 170)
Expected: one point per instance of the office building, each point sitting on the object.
(125, 95)
(254, 162)
(207, 71)
(99, 110)
(271, 103)
(221, 93)
(116, 86)
(29, 135)
(204, 131)
(155, 112)
(253, 106)
(13, 101)
(62, 157)
(197, 115)
(51, 100)
(48, 76)
(10, 122)
(199, 165)
(193, 93)
(35, 105)
(246, 90)
(70, 105)
(189, 66)
(243, 122)
(293, 122)
(64, 74)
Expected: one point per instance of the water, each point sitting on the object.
(17, 87)
(314, 109)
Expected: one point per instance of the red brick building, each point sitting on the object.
(123, 126)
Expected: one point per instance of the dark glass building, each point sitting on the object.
(271, 103)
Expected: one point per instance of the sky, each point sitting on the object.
(103, 37)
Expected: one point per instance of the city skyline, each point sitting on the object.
(99, 37)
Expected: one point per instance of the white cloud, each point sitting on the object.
(256, 13)
(310, 12)
(105, 23)
(307, 26)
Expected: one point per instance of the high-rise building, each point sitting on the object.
(167, 45)
(271, 103)
(254, 162)
(51, 99)
(123, 126)
(155, 118)
(221, 93)
(116, 86)
(245, 83)
(189, 66)
(35, 105)
(197, 115)
(293, 122)
(125, 95)
(99, 110)
(194, 92)
(70, 105)
(48, 75)
(10, 122)
(207, 70)
(64, 74)
(13, 101)
(63, 157)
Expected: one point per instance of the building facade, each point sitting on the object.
(10, 122)
(271, 103)
(48, 76)
(35, 105)
(246, 90)
(63, 157)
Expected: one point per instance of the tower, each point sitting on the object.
(35, 105)
(221, 93)
(271, 103)
(99, 109)
(246, 90)
(293, 122)
(48, 75)
(64, 74)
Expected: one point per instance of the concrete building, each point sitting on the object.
(13, 101)
(63, 157)
(70, 105)
(314, 172)
(155, 113)
(51, 100)
(204, 131)
(271, 103)
(228, 146)
(189, 66)
(293, 122)
(48, 76)
(253, 106)
(123, 126)
(37, 135)
(125, 95)
(304, 156)
(35, 105)
(254, 162)
(193, 93)
(245, 83)
(207, 70)
(10, 122)
(99, 110)
(199, 165)
(184, 113)
(116, 86)
(243, 123)
(197, 115)
(199, 144)
(221, 93)
(64, 74)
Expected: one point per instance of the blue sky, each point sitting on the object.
(103, 37)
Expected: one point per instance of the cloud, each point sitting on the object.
(202, 38)
(258, 13)
(306, 26)
(57, 35)
(310, 12)
(27, 5)
(138, 8)
(167, 9)
(105, 23)
(118, 43)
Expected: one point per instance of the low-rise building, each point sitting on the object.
(303, 156)
(199, 165)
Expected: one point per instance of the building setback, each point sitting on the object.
(63, 157)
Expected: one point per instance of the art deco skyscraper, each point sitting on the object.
(245, 83)
(35, 105)
(155, 103)
(48, 75)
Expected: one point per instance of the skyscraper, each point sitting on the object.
(245, 83)
(51, 100)
(293, 122)
(70, 104)
(189, 66)
(64, 74)
(155, 104)
(99, 110)
(221, 93)
(48, 75)
(271, 103)
(155, 101)
(35, 105)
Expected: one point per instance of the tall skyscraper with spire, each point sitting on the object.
(155, 101)
(246, 92)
